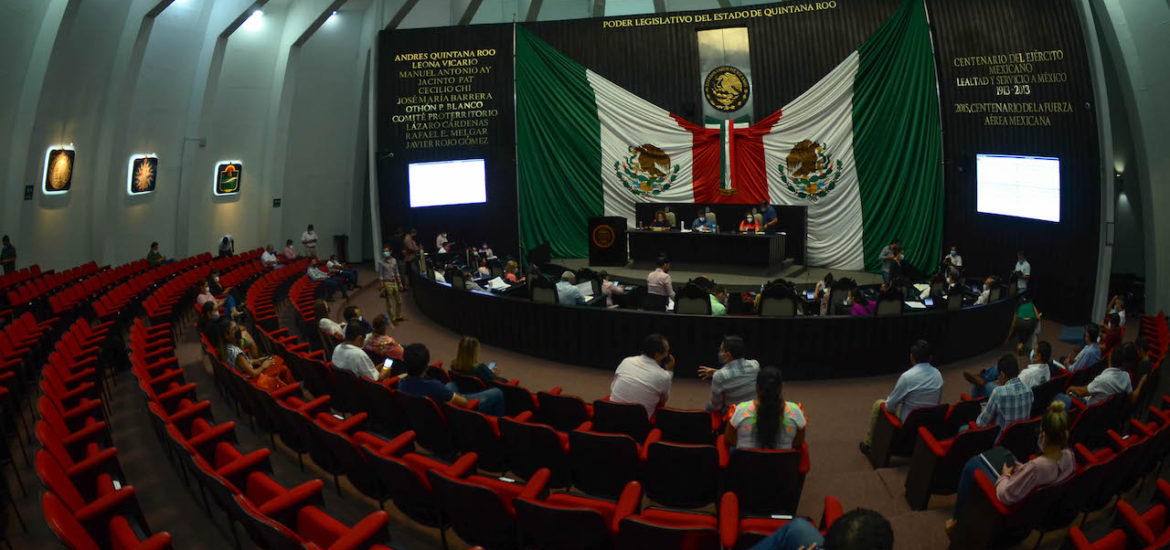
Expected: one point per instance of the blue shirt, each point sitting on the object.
(1008, 403)
(1090, 355)
(768, 216)
(703, 222)
(568, 294)
(425, 387)
(920, 386)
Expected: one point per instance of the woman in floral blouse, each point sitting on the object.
(768, 421)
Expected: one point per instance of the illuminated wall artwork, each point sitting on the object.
(141, 174)
(58, 176)
(227, 177)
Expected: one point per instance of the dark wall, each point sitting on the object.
(495, 220)
(1063, 255)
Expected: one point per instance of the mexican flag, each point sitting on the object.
(861, 149)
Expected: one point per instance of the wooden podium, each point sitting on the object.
(607, 240)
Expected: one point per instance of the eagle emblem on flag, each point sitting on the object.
(808, 172)
(646, 170)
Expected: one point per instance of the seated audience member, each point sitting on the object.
(441, 243)
(153, 257)
(290, 253)
(416, 357)
(483, 270)
(860, 529)
(645, 379)
(920, 386)
(988, 379)
(349, 275)
(207, 296)
(659, 289)
(440, 273)
(1117, 307)
(862, 306)
(268, 258)
(1024, 324)
(1014, 483)
(467, 361)
(324, 323)
(1145, 364)
(380, 342)
(328, 284)
(1009, 402)
(1090, 354)
(718, 297)
(985, 294)
(567, 292)
(768, 421)
(1116, 379)
(1110, 333)
(735, 380)
(512, 273)
(749, 225)
(349, 356)
(659, 223)
(267, 373)
(410, 247)
(208, 322)
(703, 224)
(353, 316)
(1041, 367)
(469, 282)
(609, 290)
(821, 293)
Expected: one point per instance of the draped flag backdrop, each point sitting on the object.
(861, 148)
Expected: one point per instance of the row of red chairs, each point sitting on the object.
(23, 294)
(87, 503)
(67, 299)
(239, 483)
(21, 275)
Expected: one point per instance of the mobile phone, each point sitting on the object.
(492, 366)
(388, 363)
(1009, 461)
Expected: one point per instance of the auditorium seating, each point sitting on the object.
(936, 464)
(892, 436)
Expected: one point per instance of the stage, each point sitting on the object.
(733, 278)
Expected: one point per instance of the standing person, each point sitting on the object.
(766, 421)
(735, 380)
(645, 379)
(822, 292)
(8, 256)
(659, 289)
(309, 239)
(441, 242)
(920, 386)
(1022, 272)
(890, 257)
(227, 246)
(410, 246)
(1023, 324)
(391, 282)
(953, 259)
(768, 218)
(154, 258)
(397, 243)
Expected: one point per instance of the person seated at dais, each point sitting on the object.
(659, 223)
(703, 224)
(749, 225)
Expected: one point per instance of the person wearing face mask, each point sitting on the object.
(734, 381)
(703, 224)
(985, 295)
(353, 316)
(645, 379)
(391, 282)
(1091, 353)
(749, 225)
(1022, 272)
(267, 373)
(1041, 368)
(953, 259)
(324, 323)
(208, 319)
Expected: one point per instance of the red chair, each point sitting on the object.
(660, 528)
(620, 418)
(779, 491)
(695, 426)
(94, 506)
(281, 520)
(532, 446)
(1115, 540)
(962, 412)
(473, 431)
(429, 424)
(752, 529)
(985, 521)
(74, 535)
(682, 475)
(937, 465)
(517, 399)
(480, 508)
(562, 412)
(603, 464)
(891, 436)
(1020, 437)
(571, 522)
(1152, 527)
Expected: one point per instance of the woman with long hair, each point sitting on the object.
(768, 421)
(466, 361)
(512, 272)
(862, 306)
(1014, 481)
(324, 323)
(267, 373)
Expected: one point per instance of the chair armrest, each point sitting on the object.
(107, 505)
(461, 467)
(833, 512)
(371, 529)
(723, 451)
(283, 507)
(238, 470)
(536, 484)
(728, 519)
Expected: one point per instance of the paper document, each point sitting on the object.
(497, 284)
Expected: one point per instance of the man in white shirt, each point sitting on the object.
(439, 276)
(441, 242)
(1112, 381)
(1038, 371)
(985, 296)
(567, 292)
(329, 284)
(1023, 271)
(920, 386)
(954, 258)
(349, 356)
(645, 379)
(268, 258)
(309, 239)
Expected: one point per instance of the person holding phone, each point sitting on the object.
(267, 373)
(645, 379)
(1014, 482)
(349, 356)
(467, 362)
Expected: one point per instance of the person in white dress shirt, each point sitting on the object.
(645, 379)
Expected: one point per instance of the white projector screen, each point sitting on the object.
(1020, 186)
(447, 182)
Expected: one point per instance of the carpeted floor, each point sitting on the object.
(837, 412)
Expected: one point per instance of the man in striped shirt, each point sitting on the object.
(735, 381)
(1009, 402)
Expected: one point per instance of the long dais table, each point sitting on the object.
(765, 250)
